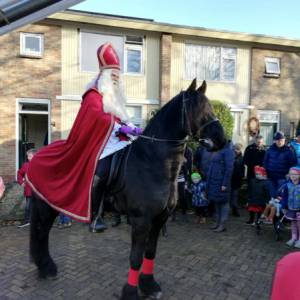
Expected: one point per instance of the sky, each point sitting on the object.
(273, 18)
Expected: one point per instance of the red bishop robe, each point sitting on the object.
(62, 173)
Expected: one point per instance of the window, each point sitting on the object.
(135, 114)
(129, 49)
(272, 66)
(210, 62)
(90, 42)
(134, 55)
(31, 44)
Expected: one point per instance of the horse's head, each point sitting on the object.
(201, 121)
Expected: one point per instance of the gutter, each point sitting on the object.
(149, 25)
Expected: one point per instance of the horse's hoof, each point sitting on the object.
(149, 287)
(49, 271)
(129, 292)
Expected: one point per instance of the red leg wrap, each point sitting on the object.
(133, 277)
(148, 266)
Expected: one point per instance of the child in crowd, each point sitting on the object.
(259, 194)
(199, 199)
(27, 190)
(290, 199)
(236, 179)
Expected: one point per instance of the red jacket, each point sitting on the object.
(21, 179)
(62, 172)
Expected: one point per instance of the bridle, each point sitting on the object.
(185, 123)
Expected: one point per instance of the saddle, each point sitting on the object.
(116, 178)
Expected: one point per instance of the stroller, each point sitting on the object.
(278, 223)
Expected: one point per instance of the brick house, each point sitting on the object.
(275, 92)
(158, 60)
(30, 79)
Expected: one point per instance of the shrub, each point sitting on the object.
(222, 112)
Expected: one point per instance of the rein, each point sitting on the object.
(154, 139)
(184, 119)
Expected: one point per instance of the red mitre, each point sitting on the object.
(108, 57)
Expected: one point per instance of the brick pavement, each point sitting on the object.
(192, 263)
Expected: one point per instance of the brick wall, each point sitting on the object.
(281, 94)
(165, 67)
(29, 78)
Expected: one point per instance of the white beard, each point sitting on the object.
(114, 100)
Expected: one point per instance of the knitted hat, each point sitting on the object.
(295, 169)
(260, 171)
(279, 135)
(196, 176)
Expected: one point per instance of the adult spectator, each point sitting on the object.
(278, 160)
(218, 184)
(236, 179)
(295, 144)
(254, 156)
(202, 159)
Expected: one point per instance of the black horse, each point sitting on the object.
(150, 191)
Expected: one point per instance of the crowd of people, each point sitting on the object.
(210, 182)
(272, 177)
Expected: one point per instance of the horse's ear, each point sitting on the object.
(193, 85)
(202, 88)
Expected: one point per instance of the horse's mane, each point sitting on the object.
(167, 111)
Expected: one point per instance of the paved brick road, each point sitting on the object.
(192, 263)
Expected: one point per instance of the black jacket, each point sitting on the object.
(258, 192)
(238, 172)
(253, 156)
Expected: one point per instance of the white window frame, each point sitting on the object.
(23, 51)
(237, 115)
(230, 57)
(275, 60)
(135, 48)
(261, 113)
(222, 56)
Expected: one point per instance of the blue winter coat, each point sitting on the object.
(278, 161)
(202, 160)
(219, 174)
(296, 147)
(290, 194)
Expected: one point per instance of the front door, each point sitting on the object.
(33, 126)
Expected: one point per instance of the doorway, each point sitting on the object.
(269, 124)
(33, 126)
